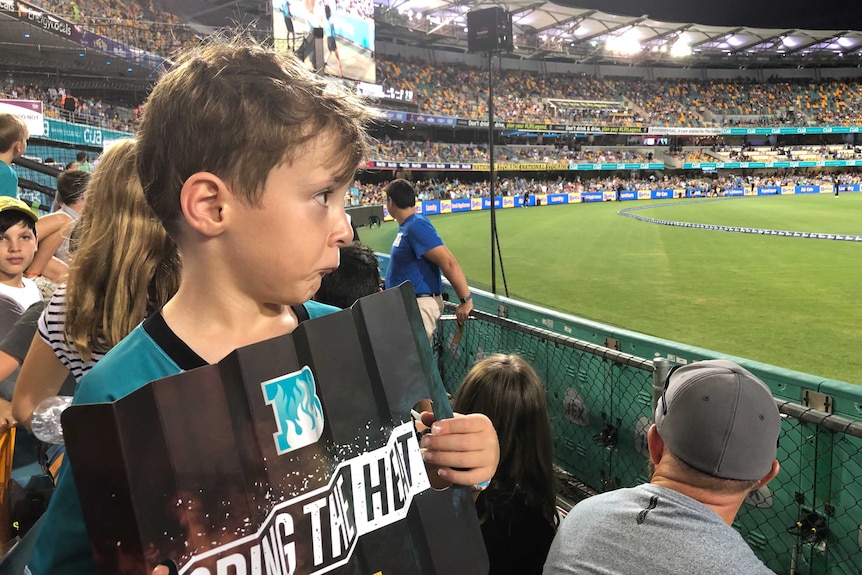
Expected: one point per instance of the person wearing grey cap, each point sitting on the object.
(714, 441)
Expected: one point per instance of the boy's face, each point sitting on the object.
(17, 248)
(22, 145)
(282, 248)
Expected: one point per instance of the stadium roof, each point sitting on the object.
(549, 31)
(32, 51)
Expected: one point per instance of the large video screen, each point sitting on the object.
(348, 34)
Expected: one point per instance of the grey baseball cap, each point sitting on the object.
(719, 418)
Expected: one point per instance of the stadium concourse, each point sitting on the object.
(588, 104)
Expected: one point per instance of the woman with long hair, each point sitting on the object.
(125, 267)
(517, 510)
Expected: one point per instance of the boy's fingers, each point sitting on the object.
(428, 418)
(465, 448)
(473, 423)
(463, 460)
(454, 442)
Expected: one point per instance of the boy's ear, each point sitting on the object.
(202, 199)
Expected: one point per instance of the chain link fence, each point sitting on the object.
(808, 520)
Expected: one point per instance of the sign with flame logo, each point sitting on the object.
(293, 456)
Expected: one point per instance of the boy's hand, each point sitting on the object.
(462, 450)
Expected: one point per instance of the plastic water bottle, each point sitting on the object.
(45, 422)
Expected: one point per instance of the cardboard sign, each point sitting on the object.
(296, 455)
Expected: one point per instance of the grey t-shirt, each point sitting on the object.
(648, 529)
(16, 341)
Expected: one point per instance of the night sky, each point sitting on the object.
(808, 14)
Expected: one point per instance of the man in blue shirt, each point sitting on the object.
(418, 255)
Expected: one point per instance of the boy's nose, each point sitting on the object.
(344, 232)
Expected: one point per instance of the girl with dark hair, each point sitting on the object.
(517, 510)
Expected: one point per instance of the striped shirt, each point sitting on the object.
(52, 324)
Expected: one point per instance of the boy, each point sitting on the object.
(17, 248)
(13, 144)
(245, 157)
(17, 293)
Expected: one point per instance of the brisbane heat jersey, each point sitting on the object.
(293, 456)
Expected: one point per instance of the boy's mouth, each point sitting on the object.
(15, 261)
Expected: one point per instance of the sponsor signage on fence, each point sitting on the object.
(757, 165)
(791, 130)
(806, 190)
(616, 166)
(79, 134)
(462, 205)
(683, 131)
(383, 164)
(486, 203)
(432, 207)
(510, 166)
(416, 118)
(28, 110)
(769, 191)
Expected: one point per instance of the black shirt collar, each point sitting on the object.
(165, 338)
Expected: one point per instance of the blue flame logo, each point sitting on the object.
(297, 409)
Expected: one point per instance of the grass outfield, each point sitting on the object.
(790, 302)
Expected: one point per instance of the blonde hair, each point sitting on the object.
(125, 265)
(238, 110)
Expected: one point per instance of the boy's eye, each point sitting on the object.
(323, 197)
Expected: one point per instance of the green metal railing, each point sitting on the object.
(808, 520)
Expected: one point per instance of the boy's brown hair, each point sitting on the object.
(238, 110)
(12, 130)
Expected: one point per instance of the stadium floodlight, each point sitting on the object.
(680, 48)
(626, 43)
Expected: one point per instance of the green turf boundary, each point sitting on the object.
(787, 303)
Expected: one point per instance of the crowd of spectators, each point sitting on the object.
(452, 188)
(697, 156)
(460, 90)
(407, 151)
(140, 24)
(787, 153)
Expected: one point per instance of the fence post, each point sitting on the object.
(659, 374)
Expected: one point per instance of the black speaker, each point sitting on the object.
(312, 47)
(489, 30)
